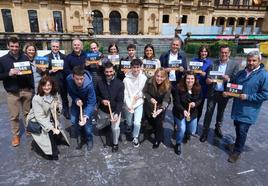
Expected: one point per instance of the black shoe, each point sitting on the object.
(89, 145)
(115, 148)
(203, 137)
(186, 138)
(66, 114)
(218, 132)
(178, 149)
(156, 144)
(79, 143)
(55, 157)
(229, 147)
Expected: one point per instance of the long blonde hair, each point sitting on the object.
(165, 86)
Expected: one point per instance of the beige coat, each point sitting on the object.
(42, 107)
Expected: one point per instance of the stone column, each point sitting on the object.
(215, 21)
(123, 25)
(234, 26)
(224, 25)
(245, 25)
(254, 26)
(106, 30)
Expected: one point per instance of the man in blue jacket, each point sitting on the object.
(246, 108)
(81, 90)
(19, 87)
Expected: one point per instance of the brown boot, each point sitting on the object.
(15, 140)
(233, 157)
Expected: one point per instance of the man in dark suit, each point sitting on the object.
(58, 75)
(215, 89)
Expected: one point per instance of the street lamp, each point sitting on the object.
(90, 28)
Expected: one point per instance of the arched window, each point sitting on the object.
(115, 22)
(57, 21)
(98, 22)
(132, 23)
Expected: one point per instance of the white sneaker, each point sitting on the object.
(136, 142)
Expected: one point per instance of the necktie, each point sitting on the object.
(57, 56)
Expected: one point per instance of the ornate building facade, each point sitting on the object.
(134, 17)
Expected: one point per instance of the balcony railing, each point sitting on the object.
(240, 7)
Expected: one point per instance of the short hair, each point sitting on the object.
(225, 46)
(175, 39)
(134, 62)
(95, 43)
(108, 65)
(77, 40)
(111, 45)
(79, 70)
(12, 40)
(54, 41)
(43, 82)
(131, 46)
(202, 47)
(254, 54)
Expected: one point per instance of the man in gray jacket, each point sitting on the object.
(228, 68)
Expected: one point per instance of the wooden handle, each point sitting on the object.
(189, 108)
(155, 105)
(55, 116)
(81, 113)
(110, 110)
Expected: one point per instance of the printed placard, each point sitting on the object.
(24, 67)
(175, 64)
(196, 66)
(114, 59)
(125, 66)
(149, 65)
(93, 58)
(216, 76)
(41, 61)
(234, 90)
(57, 64)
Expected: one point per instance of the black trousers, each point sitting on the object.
(157, 124)
(221, 102)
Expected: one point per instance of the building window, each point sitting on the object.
(115, 22)
(7, 19)
(236, 2)
(216, 2)
(201, 20)
(184, 19)
(250, 21)
(132, 23)
(165, 18)
(98, 22)
(57, 21)
(246, 2)
(33, 20)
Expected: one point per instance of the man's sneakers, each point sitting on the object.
(233, 157)
(15, 141)
(136, 142)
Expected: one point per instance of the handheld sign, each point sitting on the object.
(114, 59)
(196, 66)
(149, 65)
(57, 64)
(24, 67)
(216, 76)
(93, 58)
(234, 90)
(175, 64)
(125, 66)
(41, 61)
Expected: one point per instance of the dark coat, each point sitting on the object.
(14, 83)
(114, 92)
(150, 91)
(181, 102)
(73, 60)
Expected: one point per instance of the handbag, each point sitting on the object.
(103, 120)
(34, 127)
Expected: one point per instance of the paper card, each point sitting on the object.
(41, 61)
(172, 75)
(57, 64)
(234, 90)
(24, 67)
(149, 65)
(93, 58)
(114, 59)
(175, 64)
(125, 66)
(196, 66)
(216, 76)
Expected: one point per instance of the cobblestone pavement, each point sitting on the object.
(200, 163)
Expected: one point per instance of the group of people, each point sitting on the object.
(140, 91)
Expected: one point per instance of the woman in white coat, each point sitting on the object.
(46, 107)
(134, 83)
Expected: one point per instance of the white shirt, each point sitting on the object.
(222, 68)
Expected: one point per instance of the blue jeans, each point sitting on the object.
(184, 126)
(84, 131)
(241, 130)
(137, 120)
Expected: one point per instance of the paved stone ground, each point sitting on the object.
(200, 163)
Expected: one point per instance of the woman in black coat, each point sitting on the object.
(186, 99)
